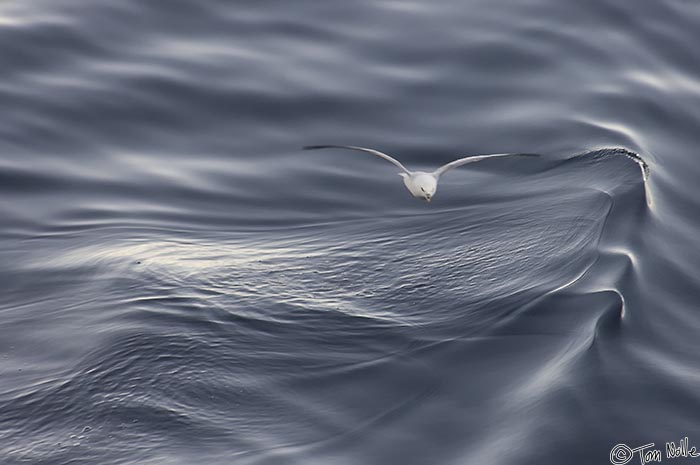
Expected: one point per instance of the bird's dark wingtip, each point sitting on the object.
(314, 147)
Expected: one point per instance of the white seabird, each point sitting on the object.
(419, 183)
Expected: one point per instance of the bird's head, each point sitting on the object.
(426, 185)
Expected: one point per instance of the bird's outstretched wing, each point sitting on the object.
(475, 158)
(361, 149)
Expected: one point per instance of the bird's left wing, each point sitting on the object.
(361, 149)
(475, 158)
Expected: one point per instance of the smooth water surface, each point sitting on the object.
(180, 283)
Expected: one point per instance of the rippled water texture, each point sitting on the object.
(180, 283)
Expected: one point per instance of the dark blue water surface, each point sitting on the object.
(181, 284)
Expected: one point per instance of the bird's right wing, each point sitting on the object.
(361, 149)
(475, 158)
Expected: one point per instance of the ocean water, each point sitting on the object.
(180, 283)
